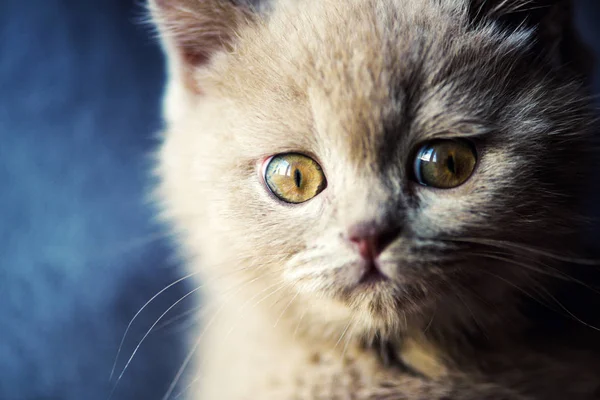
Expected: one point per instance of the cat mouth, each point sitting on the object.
(372, 275)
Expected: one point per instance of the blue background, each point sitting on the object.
(80, 87)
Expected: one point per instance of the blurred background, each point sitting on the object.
(80, 88)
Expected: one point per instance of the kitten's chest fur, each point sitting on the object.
(246, 355)
(256, 360)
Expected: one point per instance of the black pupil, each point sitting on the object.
(297, 178)
(451, 165)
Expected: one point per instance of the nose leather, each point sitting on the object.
(370, 240)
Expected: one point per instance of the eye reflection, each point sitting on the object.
(427, 156)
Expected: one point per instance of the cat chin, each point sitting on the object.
(379, 304)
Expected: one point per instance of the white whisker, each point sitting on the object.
(285, 309)
(146, 335)
(283, 286)
(299, 322)
(138, 313)
(506, 245)
(576, 318)
(343, 334)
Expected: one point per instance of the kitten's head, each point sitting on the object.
(373, 162)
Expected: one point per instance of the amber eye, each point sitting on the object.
(445, 164)
(294, 178)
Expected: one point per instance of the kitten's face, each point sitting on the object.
(305, 164)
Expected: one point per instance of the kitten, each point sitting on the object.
(375, 194)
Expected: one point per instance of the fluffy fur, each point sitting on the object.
(358, 85)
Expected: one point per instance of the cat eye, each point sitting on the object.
(445, 163)
(294, 178)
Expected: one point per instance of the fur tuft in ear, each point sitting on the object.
(192, 31)
(552, 20)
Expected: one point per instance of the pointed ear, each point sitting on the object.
(553, 21)
(192, 31)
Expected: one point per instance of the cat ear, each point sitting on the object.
(193, 31)
(553, 22)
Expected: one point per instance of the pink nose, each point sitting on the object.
(371, 240)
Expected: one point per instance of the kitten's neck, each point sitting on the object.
(313, 327)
